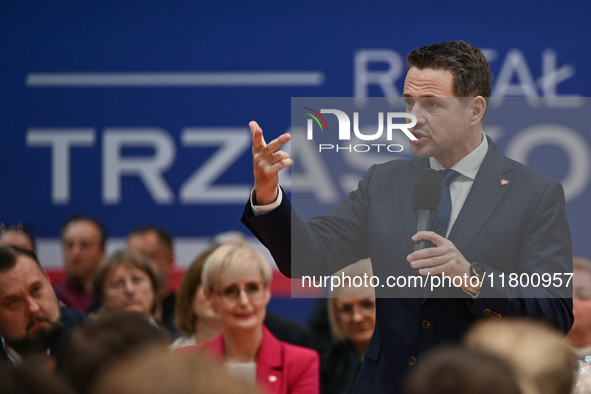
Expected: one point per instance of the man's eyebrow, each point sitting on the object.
(36, 283)
(424, 95)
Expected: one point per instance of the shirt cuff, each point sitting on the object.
(263, 209)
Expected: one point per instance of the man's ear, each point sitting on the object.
(477, 108)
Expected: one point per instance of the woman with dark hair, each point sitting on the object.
(126, 281)
(195, 318)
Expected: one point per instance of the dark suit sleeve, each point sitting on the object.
(320, 246)
(546, 248)
(273, 229)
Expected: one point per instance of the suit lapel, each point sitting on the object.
(270, 364)
(488, 190)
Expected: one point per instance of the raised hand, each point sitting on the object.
(267, 162)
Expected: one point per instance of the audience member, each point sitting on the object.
(83, 247)
(543, 363)
(31, 320)
(18, 236)
(30, 379)
(237, 281)
(196, 320)
(126, 282)
(156, 243)
(102, 342)
(157, 371)
(352, 318)
(579, 336)
(457, 370)
(285, 329)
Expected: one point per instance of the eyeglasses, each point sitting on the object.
(365, 307)
(254, 292)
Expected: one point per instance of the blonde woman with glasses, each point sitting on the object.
(237, 280)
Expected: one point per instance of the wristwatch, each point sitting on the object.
(476, 270)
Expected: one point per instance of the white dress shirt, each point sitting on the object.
(468, 168)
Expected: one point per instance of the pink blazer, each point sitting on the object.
(282, 368)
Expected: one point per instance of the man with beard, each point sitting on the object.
(31, 320)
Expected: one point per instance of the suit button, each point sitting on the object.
(412, 361)
(425, 324)
(487, 312)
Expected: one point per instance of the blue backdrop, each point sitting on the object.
(137, 111)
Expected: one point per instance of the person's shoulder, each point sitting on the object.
(213, 347)
(526, 172)
(288, 351)
(516, 169)
(183, 341)
(529, 181)
(300, 364)
(72, 316)
(195, 348)
(299, 354)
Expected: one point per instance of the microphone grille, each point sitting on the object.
(426, 191)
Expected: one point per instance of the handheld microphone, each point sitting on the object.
(426, 194)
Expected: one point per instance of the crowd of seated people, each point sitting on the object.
(114, 325)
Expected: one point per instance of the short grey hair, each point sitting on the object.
(233, 260)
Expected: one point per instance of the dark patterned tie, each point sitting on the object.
(441, 217)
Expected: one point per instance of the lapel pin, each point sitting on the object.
(504, 182)
(272, 378)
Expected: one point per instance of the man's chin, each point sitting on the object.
(420, 152)
(38, 339)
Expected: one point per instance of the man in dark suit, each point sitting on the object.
(504, 218)
(31, 320)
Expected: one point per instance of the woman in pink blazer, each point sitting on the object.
(237, 279)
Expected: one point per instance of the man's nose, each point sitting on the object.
(33, 306)
(415, 109)
(76, 249)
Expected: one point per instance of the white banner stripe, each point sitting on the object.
(186, 249)
(225, 79)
